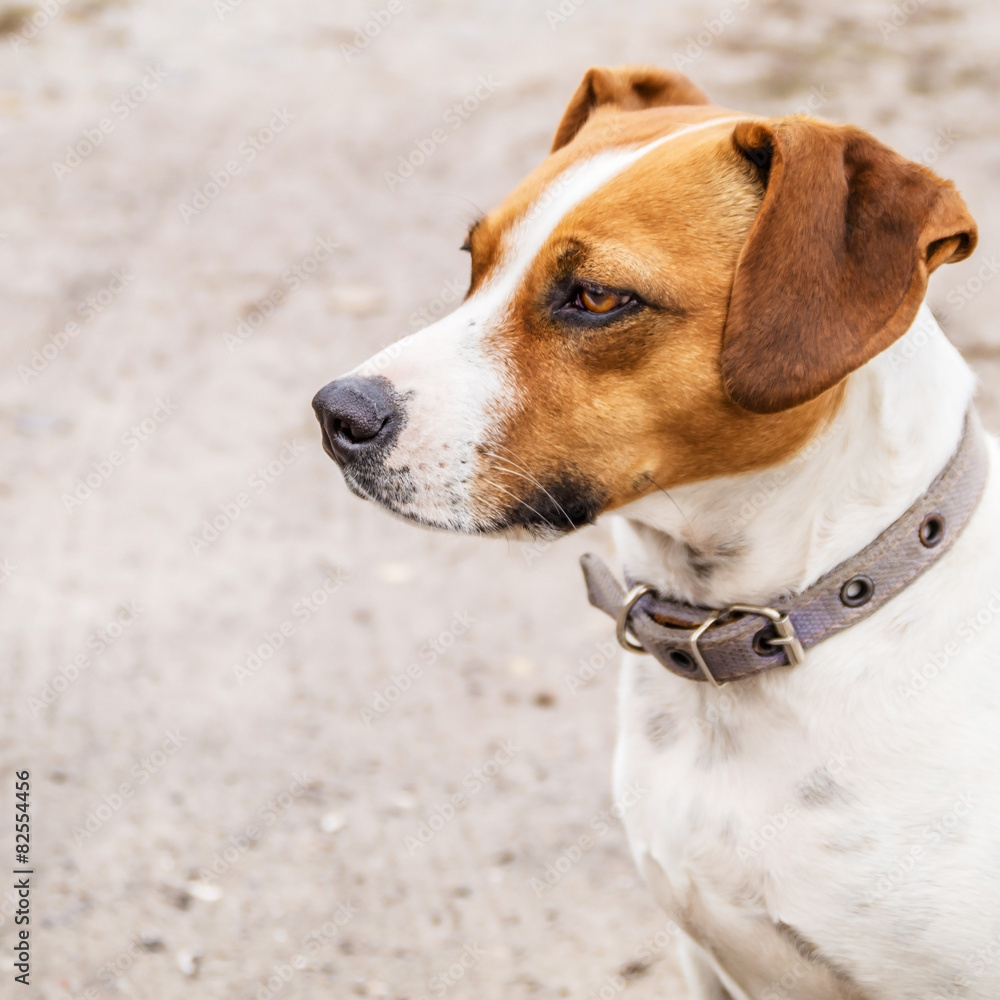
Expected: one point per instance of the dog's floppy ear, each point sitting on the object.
(629, 88)
(836, 263)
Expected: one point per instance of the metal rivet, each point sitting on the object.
(857, 591)
(931, 530)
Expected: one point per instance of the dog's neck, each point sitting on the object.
(753, 537)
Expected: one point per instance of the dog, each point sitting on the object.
(711, 325)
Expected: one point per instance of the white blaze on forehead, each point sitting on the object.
(562, 195)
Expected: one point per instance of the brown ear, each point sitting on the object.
(629, 88)
(836, 263)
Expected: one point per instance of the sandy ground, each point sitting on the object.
(232, 796)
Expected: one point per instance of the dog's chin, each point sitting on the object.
(548, 513)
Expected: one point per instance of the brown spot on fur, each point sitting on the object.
(819, 789)
(661, 730)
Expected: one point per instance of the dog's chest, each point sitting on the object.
(714, 832)
(814, 844)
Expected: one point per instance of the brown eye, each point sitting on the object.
(600, 302)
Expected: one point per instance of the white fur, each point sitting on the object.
(850, 805)
(456, 389)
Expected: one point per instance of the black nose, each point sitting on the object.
(357, 415)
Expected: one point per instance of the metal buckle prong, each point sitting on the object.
(783, 625)
(626, 641)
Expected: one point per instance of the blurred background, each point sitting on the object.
(281, 744)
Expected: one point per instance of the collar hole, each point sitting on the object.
(931, 530)
(857, 591)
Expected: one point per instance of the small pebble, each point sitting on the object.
(356, 300)
(520, 666)
(188, 962)
(332, 822)
(395, 572)
(207, 892)
(404, 800)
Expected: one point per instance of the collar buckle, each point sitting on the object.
(786, 638)
(626, 641)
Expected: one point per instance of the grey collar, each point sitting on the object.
(742, 640)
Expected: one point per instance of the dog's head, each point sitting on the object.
(676, 293)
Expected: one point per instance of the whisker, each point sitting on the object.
(526, 474)
(544, 519)
(670, 498)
